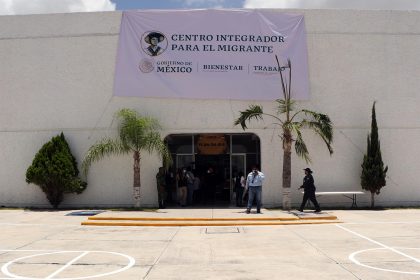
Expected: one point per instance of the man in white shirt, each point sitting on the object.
(254, 182)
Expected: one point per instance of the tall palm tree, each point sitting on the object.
(292, 123)
(136, 134)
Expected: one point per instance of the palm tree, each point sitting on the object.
(292, 124)
(136, 133)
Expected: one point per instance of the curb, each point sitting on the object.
(188, 221)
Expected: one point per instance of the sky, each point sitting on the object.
(18, 7)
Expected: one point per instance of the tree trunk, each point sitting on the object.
(54, 193)
(287, 169)
(372, 200)
(136, 179)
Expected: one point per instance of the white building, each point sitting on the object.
(57, 73)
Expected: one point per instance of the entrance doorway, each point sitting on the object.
(215, 159)
(214, 174)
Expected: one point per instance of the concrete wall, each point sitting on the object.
(56, 74)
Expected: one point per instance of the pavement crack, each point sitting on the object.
(161, 253)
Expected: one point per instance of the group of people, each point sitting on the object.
(187, 191)
(186, 187)
(189, 188)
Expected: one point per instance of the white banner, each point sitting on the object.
(223, 54)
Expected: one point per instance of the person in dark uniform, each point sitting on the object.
(309, 191)
(161, 187)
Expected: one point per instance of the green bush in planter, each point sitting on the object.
(54, 170)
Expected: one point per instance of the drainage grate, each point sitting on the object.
(221, 230)
(85, 213)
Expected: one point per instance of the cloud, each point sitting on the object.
(336, 4)
(20, 7)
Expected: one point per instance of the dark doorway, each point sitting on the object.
(214, 174)
(215, 159)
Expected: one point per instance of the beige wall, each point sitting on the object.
(56, 74)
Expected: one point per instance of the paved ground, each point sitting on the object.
(366, 245)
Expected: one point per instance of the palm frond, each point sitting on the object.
(105, 147)
(285, 106)
(152, 142)
(253, 112)
(321, 125)
(300, 147)
(295, 114)
(133, 127)
(293, 126)
(142, 133)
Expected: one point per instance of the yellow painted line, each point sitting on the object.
(101, 218)
(331, 217)
(177, 224)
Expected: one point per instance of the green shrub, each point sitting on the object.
(54, 170)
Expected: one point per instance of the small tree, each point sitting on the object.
(373, 171)
(136, 133)
(54, 169)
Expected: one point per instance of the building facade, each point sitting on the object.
(57, 74)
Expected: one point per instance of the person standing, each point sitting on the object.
(161, 187)
(240, 183)
(182, 187)
(254, 184)
(170, 186)
(190, 186)
(309, 191)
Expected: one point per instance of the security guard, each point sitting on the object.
(309, 191)
(161, 187)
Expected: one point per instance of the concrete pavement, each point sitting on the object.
(366, 245)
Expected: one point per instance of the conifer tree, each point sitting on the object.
(373, 171)
(54, 170)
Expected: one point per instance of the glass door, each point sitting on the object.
(237, 164)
